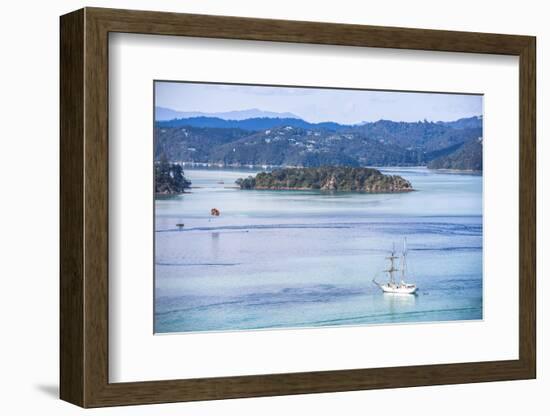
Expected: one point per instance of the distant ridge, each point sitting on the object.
(250, 124)
(255, 119)
(464, 123)
(165, 114)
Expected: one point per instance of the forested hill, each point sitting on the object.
(466, 157)
(295, 142)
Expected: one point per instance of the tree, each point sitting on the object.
(170, 177)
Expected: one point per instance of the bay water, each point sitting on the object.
(295, 259)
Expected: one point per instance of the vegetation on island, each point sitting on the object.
(326, 178)
(169, 178)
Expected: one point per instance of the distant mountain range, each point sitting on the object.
(291, 141)
(165, 114)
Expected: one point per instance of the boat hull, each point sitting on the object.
(399, 290)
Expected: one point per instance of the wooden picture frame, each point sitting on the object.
(84, 207)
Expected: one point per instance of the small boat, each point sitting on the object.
(392, 286)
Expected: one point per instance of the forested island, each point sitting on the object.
(170, 178)
(326, 178)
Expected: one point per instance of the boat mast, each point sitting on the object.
(404, 259)
(392, 268)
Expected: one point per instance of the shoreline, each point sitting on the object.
(216, 166)
(328, 191)
(464, 171)
(160, 195)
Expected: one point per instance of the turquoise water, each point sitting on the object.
(284, 259)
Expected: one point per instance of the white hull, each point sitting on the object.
(399, 289)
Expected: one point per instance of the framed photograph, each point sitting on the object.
(256, 207)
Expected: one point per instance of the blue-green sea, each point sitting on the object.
(294, 259)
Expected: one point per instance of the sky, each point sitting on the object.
(318, 104)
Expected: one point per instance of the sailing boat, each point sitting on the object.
(392, 286)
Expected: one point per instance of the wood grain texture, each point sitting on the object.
(84, 207)
(71, 208)
(96, 208)
(528, 208)
(225, 27)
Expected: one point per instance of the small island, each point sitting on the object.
(326, 178)
(170, 178)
